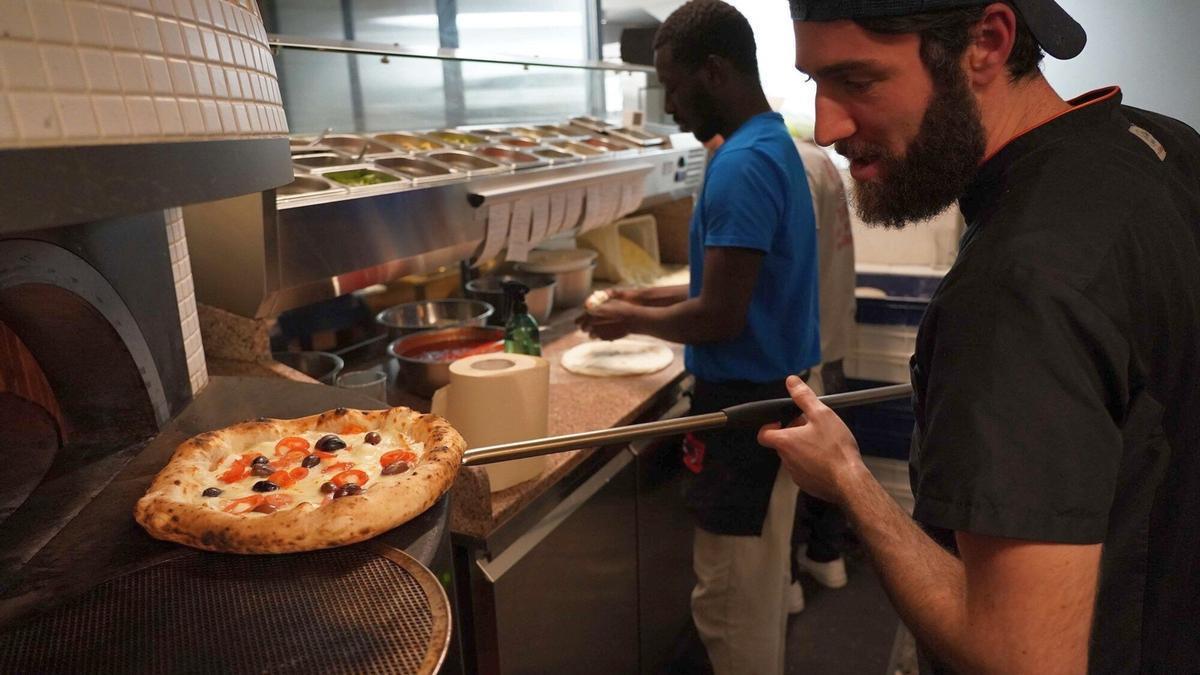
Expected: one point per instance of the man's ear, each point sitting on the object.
(714, 71)
(991, 43)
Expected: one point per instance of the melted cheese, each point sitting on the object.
(363, 455)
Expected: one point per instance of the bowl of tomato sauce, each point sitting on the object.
(424, 358)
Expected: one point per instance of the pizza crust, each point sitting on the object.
(168, 509)
(627, 356)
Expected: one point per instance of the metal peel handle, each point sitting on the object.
(746, 415)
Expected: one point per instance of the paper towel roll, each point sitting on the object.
(498, 398)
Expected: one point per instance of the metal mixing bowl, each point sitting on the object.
(425, 377)
(320, 366)
(412, 317)
(539, 299)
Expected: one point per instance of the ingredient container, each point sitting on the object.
(571, 269)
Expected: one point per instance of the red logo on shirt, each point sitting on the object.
(693, 453)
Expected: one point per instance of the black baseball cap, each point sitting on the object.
(1059, 35)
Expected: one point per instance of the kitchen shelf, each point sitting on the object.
(444, 54)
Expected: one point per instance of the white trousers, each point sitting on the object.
(739, 602)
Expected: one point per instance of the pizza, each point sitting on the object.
(278, 486)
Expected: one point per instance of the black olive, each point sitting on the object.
(330, 443)
(258, 461)
(347, 490)
(212, 492)
(328, 487)
(310, 461)
(261, 470)
(395, 468)
(373, 438)
(265, 486)
(266, 508)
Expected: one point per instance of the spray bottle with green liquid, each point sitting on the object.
(521, 332)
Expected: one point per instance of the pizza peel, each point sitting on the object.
(744, 416)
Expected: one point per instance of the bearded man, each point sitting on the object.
(1056, 456)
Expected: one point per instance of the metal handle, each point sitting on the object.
(758, 413)
(742, 416)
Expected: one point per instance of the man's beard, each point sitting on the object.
(935, 169)
(704, 107)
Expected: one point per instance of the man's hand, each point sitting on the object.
(817, 448)
(610, 320)
(1007, 606)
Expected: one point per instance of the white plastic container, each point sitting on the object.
(572, 270)
(898, 341)
(612, 265)
(879, 367)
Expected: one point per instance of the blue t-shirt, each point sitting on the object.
(756, 196)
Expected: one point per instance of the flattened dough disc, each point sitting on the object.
(627, 356)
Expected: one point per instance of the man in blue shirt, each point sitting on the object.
(749, 319)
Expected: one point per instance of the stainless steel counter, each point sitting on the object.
(595, 570)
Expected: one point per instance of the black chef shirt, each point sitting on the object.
(1057, 369)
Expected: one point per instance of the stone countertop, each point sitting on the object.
(577, 403)
(237, 346)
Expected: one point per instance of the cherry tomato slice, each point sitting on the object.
(282, 479)
(340, 466)
(291, 443)
(277, 499)
(353, 429)
(298, 473)
(292, 457)
(324, 455)
(235, 472)
(397, 456)
(250, 503)
(345, 477)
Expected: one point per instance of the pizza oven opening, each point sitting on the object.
(91, 366)
(74, 366)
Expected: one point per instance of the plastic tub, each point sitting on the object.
(628, 250)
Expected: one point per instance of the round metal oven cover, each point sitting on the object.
(358, 609)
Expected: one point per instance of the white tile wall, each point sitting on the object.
(101, 71)
(36, 117)
(8, 126)
(112, 115)
(14, 16)
(186, 295)
(84, 72)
